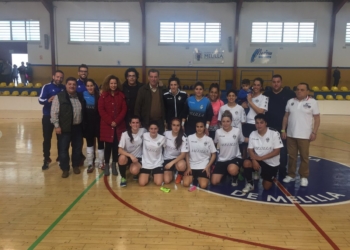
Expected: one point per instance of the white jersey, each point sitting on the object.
(200, 150)
(228, 143)
(135, 147)
(238, 115)
(170, 151)
(300, 117)
(260, 101)
(263, 145)
(152, 156)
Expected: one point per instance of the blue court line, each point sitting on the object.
(335, 138)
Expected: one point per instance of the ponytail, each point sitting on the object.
(129, 128)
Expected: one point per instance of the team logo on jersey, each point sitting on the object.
(267, 139)
(205, 143)
(201, 106)
(292, 104)
(236, 112)
(256, 100)
(331, 191)
(307, 106)
(234, 137)
(179, 98)
(158, 143)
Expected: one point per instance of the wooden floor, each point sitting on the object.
(40, 210)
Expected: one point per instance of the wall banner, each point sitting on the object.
(206, 56)
(261, 56)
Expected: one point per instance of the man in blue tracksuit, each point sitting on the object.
(47, 94)
(83, 72)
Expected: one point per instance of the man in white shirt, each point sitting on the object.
(303, 119)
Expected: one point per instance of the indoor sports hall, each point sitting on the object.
(220, 42)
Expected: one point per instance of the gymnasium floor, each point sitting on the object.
(40, 210)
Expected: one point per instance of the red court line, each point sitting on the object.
(183, 227)
(319, 229)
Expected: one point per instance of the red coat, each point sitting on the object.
(112, 108)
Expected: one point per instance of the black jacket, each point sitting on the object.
(130, 94)
(173, 105)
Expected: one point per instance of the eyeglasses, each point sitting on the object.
(83, 71)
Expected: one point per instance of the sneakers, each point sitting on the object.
(248, 187)
(106, 169)
(178, 179)
(114, 169)
(76, 170)
(304, 182)
(123, 182)
(234, 182)
(101, 166)
(288, 179)
(90, 169)
(65, 174)
(256, 175)
(45, 165)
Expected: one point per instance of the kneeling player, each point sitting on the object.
(264, 151)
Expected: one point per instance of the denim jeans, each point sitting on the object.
(76, 138)
(47, 134)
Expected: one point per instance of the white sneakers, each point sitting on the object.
(304, 182)
(248, 187)
(288, 179)
(256, 175)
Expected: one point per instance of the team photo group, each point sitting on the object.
(158, 132)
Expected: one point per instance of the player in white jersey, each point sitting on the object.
(238, 114)
(200, 157)
(264, 152)
(152, 156)
(130, 149)
(175, 150)
(229, 159)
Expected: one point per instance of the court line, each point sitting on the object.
(330, 148)
(183, 227)
(308, 217)
(49, 229)
(335, 138)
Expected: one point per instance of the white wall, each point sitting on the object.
(341, 53)
(37, 54)
(75, 54)
(180, 55)
(287, 55)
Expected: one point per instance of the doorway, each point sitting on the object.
(17, 58)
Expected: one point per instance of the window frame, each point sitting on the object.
(347, 30)
(99, 32)
(189, 34)
(25, 30)
(267, 44)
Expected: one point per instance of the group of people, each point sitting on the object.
(10, 74)
(157, 130)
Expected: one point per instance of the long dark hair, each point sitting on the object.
(129, 127)
(174, 78)
(178, 140)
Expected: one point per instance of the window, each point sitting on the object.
(283, 32)
(184, 32)
(104, 32)
(20, 30)
(347, 34)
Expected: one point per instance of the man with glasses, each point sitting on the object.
(83, 73)
(130, 88)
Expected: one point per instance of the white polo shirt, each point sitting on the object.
(238, 115)
(200, 150)
(152, 155)
(263, 145)
(260, 101)
(170, 151)
(135, 147)
(300, 120)
(228, 142)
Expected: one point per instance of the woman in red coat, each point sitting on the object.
(112, 109)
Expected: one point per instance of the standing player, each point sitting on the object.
(197, 108)
(130, 149)
(175, 151)
(200, 157)
(216, 104)
(238, 114)
(264, 152)
(47, 94)
(152, 157)
(303, 119)
(229, 160)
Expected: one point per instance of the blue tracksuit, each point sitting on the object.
(47, 91)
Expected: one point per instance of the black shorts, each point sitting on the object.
(198, 173)
(247, 129)
(221, 166)
(268, 173)
(130, 161)
(172, 167)
(158, 170)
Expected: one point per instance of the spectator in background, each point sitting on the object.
(48, 92)
(67, 111)
(243, 92)
(336, 76)
(278, 98)
(7, 72)
(130, 88)
(29, 72)
(15, 74)
(22, 73)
